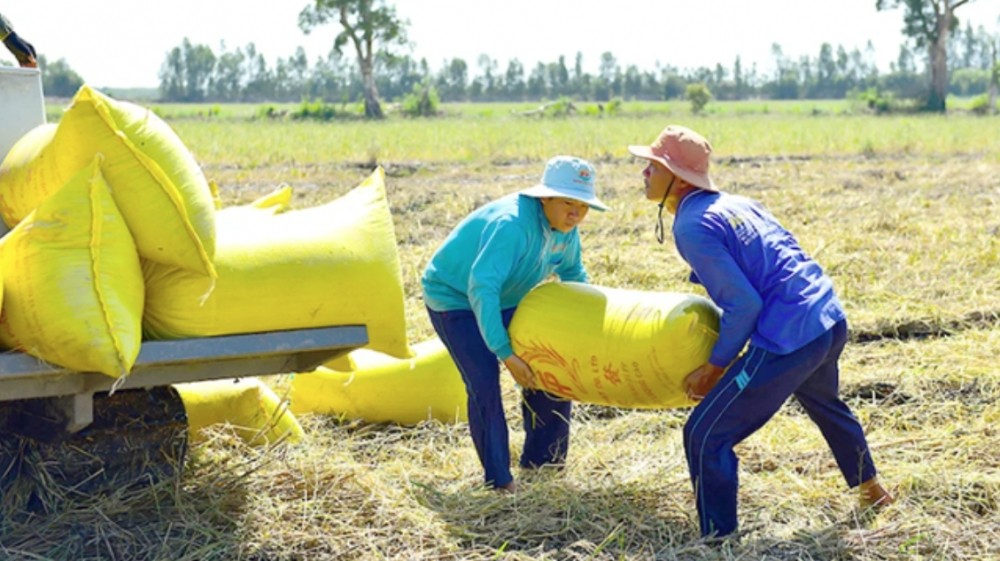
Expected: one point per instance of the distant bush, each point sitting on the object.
(562, 107)
(423, 101)
(615, 106)
(981, 105)
(269, 112)
(58, 79)
(699, 95)
(316, 110)
(876, 101)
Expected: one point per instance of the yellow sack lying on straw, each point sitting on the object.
(250, 407)
(155, 180)
(382, 389)
(73, 283)
(334, 264)
(624, 348)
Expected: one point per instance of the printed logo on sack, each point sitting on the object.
(585, 175)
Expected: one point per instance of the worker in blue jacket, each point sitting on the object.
(21, 49)
(474, 282)
(772, 296)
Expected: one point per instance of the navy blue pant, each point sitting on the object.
(546, 417)
(749, 394)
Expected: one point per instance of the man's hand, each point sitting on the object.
(699, 382)
(521, 372)
(22, 50)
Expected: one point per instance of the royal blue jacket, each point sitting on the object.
(493, 258)
(771, 293)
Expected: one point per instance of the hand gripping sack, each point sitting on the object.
(156, 182)
(623, 348)
(73, 283)
(334, 264)
(382, 389)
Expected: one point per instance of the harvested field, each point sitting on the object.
(904, 213)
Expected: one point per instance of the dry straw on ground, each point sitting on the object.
(912, 244)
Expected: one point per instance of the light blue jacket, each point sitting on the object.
(493, 258)
(769, 290)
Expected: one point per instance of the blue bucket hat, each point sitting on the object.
(570, 178)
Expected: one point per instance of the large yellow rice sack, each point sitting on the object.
(334, 264)
(73, 283)
(383, 389)
(250, 407)
(275, 202)
(155, 180)
(30, 163)
(624, 348)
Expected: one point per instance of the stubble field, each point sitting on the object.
(902, 212)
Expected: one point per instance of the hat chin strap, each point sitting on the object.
(660, 234)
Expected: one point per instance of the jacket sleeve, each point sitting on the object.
(5, 28)
(720, 274)
(501, 245)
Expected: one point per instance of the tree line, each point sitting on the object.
(364, 65)
(195, 73)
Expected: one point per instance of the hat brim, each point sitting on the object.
(541, 191)
(699, 180)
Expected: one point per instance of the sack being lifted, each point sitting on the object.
(623, 348)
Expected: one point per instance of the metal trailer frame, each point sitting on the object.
(160, 363)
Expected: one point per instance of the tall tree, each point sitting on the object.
(928, 23)
(369, 25)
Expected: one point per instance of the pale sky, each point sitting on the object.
(123, 43)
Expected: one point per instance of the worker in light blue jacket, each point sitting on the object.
(472, 286)
(773, 297)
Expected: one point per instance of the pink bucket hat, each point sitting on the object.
(684, 152)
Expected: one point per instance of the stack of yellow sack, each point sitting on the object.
(117, 236)
(87, 199)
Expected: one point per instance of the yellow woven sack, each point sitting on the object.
(251, 408)
(73, 283)
(334, 264)
(275, 202)
(28, 164)
(624, 348)
(383, 389)
(155, 180)
(278, 200)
